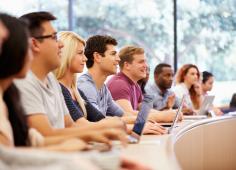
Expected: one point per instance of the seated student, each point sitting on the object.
(207, 82)
(15, 59)
(206, 86)
(73, 61)
(164, 97)
(102, 61)
(40, 92)
(186, 77)
(14, 64)
(124, 88)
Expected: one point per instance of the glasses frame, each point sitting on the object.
(52, 36)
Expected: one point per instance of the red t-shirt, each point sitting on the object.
(122, 87)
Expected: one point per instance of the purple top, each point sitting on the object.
(122, 87)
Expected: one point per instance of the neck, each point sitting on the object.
(67, 79)
(163, 90)
(39, 69)
(135, 80)
(98, 77)
(188, 85)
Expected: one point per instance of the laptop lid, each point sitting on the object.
(206, 104)
(177, 115)
(142, 116)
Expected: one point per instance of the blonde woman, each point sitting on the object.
(72, 62)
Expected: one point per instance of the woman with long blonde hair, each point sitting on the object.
(72, 62)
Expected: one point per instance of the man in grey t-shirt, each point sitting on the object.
(102, 62)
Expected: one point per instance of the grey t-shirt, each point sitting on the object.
(37, 98)
(101, 99)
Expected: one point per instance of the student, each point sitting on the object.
(73, 61)
(15, 61)
(102, 61)
(207, 82)
(124, 88)
(14, 64)
(163, 79)
(186, 77)
(40, 92)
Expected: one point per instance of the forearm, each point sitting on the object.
(129, 119)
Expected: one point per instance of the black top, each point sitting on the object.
(93, 115)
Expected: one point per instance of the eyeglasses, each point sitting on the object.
(52, 36)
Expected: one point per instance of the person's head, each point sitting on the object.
(163, 75)
(133, 62)
(100, 51)
(15, 61)
(72, 56)
(45, 46)
(207, 81)
(16, 55)
(188, 74)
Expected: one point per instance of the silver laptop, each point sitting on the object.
(177, 115)
(206, 105)
(141, 119)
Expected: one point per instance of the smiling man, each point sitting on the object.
(124, 87)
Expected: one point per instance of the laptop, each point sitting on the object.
(171, 126)
(141, 119)
(204, 109)
(206, 105)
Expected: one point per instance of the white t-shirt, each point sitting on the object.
(180, 90)
(37, 98)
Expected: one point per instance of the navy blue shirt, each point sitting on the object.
(93, 115)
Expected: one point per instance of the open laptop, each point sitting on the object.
(141, 119)
(204, 109)
(171, 126)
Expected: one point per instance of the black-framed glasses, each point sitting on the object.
(52, 36)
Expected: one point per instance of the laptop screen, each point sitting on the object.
(177, 115)
(142, 116)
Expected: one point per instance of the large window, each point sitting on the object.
(206, 30)
(207, 38)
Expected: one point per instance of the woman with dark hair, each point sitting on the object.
(187, 76)
(207, 82)
(15, 62)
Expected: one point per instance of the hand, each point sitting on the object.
(113, 122)
(73, 144)
(154, 128)
(188, 111)
(105, 136)
(127, 164)
(169, 115)
(170, 101)
(217, 111)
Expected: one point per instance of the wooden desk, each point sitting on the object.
(202, 144)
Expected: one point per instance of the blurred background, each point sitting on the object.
(202, 32)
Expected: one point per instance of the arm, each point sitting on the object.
(86, 133)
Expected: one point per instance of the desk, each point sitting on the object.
(202, 144)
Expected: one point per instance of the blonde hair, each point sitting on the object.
(127, 52)
(71, 41)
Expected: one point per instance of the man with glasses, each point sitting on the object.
(41, 94)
